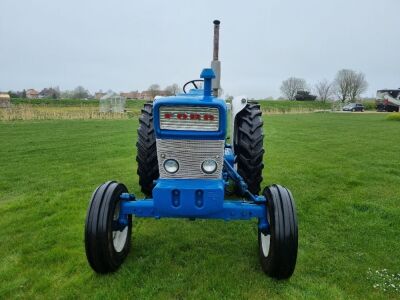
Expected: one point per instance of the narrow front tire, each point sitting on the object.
(278, 245)
(106, 243)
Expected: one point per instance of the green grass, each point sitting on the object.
(133, 106)
(57, 102)
(342, 169)
(393, 117)
(130, 104)
(288, 106)
(266, 105)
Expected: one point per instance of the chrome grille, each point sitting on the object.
(189, 118)
(190, 154)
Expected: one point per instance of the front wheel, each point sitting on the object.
(107, 244)
(278, 245)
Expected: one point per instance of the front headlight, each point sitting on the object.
(209, 166)
(171, 166)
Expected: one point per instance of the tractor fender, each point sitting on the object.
(238, 104)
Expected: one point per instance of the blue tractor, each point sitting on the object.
(187, 169)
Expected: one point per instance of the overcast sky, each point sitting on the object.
(126, 45)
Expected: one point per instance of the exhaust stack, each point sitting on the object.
(215, 63)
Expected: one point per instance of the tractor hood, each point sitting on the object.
(196, 115)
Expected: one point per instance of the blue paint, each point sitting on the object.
(188, 197)
(187, 101)
(207, 75)
(230, 210)
(235, 176)
(196, 198)
(192, 92)
(198, 98)
(229, 156)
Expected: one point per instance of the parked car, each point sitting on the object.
(304, 96)
(353, 107)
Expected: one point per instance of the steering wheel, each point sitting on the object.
(193, 82)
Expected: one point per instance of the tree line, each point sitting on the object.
(82, 93)
(348, 85)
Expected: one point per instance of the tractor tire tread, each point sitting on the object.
(98, 246)
(249, 146)
(281, 261)
(147, 167)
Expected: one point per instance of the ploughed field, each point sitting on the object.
(343, 170)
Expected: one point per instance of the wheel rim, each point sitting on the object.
(265, 242)
(119, 237)
(266, 239)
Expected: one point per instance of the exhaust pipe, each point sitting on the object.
(215, 63)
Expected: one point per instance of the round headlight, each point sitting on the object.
(209, 166)
(171, 166)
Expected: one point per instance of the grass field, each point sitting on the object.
(47, 109)
(343, 170)
(137, 104)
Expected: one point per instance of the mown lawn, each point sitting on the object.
(343, 169)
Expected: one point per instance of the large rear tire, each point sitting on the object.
(147, 151)
(106, 244)
(278, 246)
(248, 146)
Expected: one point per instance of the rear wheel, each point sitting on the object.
(147, 151)
(278, 246)
(248, 146)
(106, 243)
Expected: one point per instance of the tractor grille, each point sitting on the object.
(190, 154)
(189, 118)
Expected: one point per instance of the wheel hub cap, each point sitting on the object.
(265, 242)
(119, 237)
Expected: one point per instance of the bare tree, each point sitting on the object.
(153, 90)
(291, 86)
(173, 89)
(80, 93)
(342, 84)
(349, 84)
(324, 90)
(358, 86)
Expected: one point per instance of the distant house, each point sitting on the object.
(130, 95)
(4, 100)
(32, 94)
(146, 95)
(149, 95)
(49, 93)
(98, 95)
